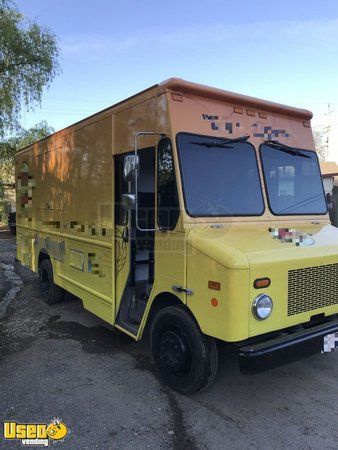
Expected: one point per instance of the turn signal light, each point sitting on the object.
(262, 283)
(214, 302)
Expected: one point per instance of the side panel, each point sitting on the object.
(67, 209)
(227, 317)
(171, 245)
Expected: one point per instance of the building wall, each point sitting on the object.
(328, 184)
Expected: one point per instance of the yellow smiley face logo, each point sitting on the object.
(57, 430)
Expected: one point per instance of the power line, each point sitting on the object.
(73, 99)
(327, 129)
(65, 110)
(57, 113)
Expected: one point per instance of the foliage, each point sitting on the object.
(28, 63)
(3, 205)
(320, 143)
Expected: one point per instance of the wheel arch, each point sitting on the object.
(161, 301)
(43, 254)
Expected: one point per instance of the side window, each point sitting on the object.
(168, 209)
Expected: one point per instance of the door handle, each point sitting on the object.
(181, 289)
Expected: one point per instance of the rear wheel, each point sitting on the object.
(51, 293)
(186, 359)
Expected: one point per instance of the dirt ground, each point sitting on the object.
(61, 361)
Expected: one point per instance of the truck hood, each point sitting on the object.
(239, 246)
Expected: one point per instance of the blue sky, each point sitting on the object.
(281, 51)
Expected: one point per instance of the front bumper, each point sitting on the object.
(285, 348)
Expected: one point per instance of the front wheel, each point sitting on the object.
(186, 359)
(51, 293)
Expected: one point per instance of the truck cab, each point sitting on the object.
(259, 268)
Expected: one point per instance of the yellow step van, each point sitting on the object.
(192, 212)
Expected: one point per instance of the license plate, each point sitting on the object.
(330, 343)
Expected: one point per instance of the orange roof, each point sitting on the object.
(329, 169)
(177, 84)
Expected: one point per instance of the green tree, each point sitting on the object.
(28, 63)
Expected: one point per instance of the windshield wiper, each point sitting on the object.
(299, 204)
(238, 139)
(286, 149)
(221, 143)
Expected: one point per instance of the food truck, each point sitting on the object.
(191, 213)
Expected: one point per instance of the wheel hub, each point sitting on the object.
(174, 352)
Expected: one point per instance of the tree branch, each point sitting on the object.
(6, 67)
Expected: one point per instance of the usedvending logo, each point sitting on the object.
(36, 434)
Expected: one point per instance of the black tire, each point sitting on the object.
(51, 293)
(186, 359)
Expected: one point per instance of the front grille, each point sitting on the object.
(312, 288)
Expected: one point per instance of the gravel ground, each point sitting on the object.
(61, 361)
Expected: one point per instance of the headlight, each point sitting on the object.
(262, 307)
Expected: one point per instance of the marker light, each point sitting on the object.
(262, 283)
(214, 285)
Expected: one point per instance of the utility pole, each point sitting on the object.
(327, 131)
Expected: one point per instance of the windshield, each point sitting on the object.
(293, 180)
(220, 176)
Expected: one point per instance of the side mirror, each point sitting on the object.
(128, 201)
(130, 166)
(329, 201)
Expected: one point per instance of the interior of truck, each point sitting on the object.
(139, 239)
